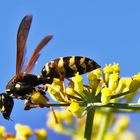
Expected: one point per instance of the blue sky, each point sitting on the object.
(106, 31)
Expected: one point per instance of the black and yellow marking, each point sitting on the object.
(68, 66)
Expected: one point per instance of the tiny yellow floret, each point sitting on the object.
(137, 77)
(2, 131)
(97, 72)
(23, 132)
(75, 109)
(78, 83)
(38, 98)
(106, 95)
(93, 80)
(121, 124)
(107, 69)
(116, 67)
(41, 134)
(106, 91)
(113, 81)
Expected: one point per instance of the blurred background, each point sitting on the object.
(106, 31)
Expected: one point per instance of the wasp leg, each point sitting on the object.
(29, 104)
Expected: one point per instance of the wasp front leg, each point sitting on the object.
(37, 99)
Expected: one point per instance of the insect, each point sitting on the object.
(23, 83)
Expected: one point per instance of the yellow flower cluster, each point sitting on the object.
(69, 125)
(104, 92)
(64, 118)
(23, 132)
(103, 87)
(114, 84)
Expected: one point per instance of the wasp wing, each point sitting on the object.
(22, 36)
(36, 54)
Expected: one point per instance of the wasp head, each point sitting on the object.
(11, 85)
(6, 105)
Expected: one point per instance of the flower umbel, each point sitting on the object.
(105, 93)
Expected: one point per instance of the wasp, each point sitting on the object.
(24, 84)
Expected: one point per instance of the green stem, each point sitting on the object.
(89, 123)
(115, 110)
(103, 126)
(134, 106)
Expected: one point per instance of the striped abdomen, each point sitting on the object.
(68, 67)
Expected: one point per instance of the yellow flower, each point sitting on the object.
(55, 90)
(66, 114)
(127, 135)
(78, 83)
(106, 95)
(99, 87)
(116, 68)
(38, 98)
(107, 70)
(41, 134)
(137, 77)
(124, 85)
(97, 72)
(113, 81)
(106, 91)
(121, 86)
(70, 91)
(2, 131)
(121, 124)
(135, 84)
(75, 109)
(110, 136)
(93, 80)
(23, 132)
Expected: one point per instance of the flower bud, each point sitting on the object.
(78, 83)
(135, 84)
(2, 131)
(107, 70)
(23, 132)
(38, 98)
(106, 95)
(54, 90)
(93, 80)
(121, 124)
(75, 109)
(41, 134)
(116, 68)
(97, 72)
(113, 81)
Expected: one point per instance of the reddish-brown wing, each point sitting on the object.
(22, 35)
(36, 54)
